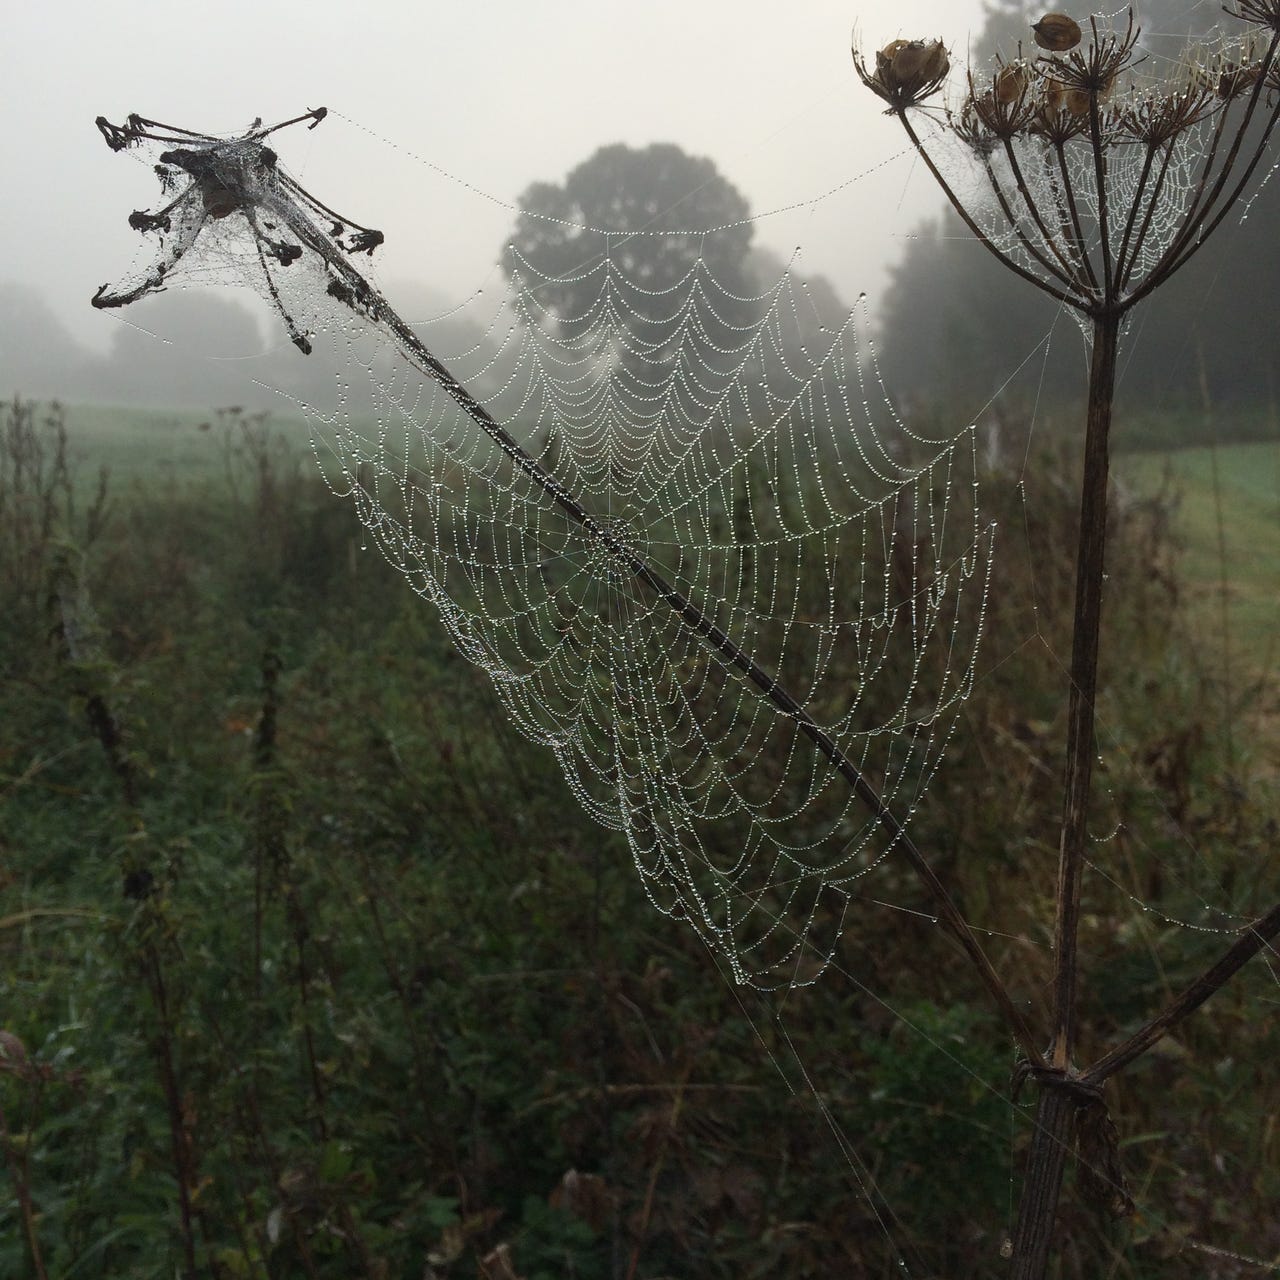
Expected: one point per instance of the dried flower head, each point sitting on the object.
(1156, 118)
(1064, 197)
(1093, 70)
(1234, 80)
(906, 72)
(1056, 32)
(1265, 13)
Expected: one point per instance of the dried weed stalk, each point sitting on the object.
(1095, 186)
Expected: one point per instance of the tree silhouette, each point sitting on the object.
(627, 225)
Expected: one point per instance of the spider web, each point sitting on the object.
(643, 542)
(760, 485)
(764, 474)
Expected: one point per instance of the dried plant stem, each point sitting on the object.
(1042, 1184)
(180, 1144)
(18, 1170)
(1090, 574)
(1056, 1110)
(1255, 938)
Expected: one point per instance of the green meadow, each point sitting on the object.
(1225, 509)
(146, 445)
(310, 965)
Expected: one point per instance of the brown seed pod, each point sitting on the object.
(1061, 97)
(1011, 82)
(884, 59)
(920, 61)
(906, 71)
(1056, 32)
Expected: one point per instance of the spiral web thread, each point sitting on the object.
(753, 460)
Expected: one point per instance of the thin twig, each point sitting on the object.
(1254, 939)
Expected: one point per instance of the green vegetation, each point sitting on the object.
(1237, 488)
(310, 966)
(145, 446)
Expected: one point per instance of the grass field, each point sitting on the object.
(150, 444)
(1227, 525)
(1227, 521)
(310, 966)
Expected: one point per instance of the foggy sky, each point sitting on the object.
(497, 93)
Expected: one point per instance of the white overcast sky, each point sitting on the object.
(499, 93)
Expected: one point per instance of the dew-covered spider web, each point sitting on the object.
(696, 549)
(686, 535)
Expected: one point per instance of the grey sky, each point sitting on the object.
(499, 93)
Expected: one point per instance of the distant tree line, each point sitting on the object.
(185, 349)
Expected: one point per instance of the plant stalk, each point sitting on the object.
(1055, 1113)
(1257, 937)
(1042, 1184)
(1086, 628)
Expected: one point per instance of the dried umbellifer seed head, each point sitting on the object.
(1236, 80)
(906, 71)
(1056, 32)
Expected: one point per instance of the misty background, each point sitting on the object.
(446, 121)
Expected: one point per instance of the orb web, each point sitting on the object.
(728, 446)
(775, 489)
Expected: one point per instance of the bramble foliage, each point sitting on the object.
(311, 969)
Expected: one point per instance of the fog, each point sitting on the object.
(440, 116)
